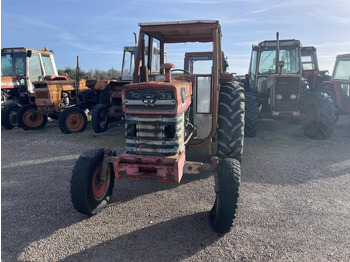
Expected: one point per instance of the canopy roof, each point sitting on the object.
(182, 31)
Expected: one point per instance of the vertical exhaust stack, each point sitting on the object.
(277, 51)
(77, 74)
(77, 77)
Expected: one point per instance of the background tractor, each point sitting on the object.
(274, 87)
(338, 87)
(20, 67)
(109, 105)
(169, 121)
(311, 72)
(65, 100)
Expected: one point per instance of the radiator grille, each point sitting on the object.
(154, 135)
(286, 93)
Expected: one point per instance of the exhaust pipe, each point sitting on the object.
(277, 51)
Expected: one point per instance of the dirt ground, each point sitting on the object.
(294, 203)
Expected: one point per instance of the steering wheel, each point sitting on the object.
(180, 70)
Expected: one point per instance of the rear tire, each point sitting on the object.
(320, 116)
(9, 115)
(100, 118)
(72, 120)
(223, 213)
(231, 121)
(89, 195)
(30, 119)
(251, 114)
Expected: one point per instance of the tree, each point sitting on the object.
(91, 74)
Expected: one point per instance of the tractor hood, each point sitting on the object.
(157, 97)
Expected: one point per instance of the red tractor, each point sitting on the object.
(311, 72)
(338, 87)
(170, 121)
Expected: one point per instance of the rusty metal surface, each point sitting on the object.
(135, 167)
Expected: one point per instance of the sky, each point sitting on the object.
(97, 31)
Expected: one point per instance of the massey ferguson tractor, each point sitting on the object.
(20, 67)
(339, 85)
(275, 87)
(172, 121)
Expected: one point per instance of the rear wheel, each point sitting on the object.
(30, 119)
(72, 120)
(100, 118)
(89, 192)
(320, 116)
(9, 115)
(223, 213)
(231, 121)
(251, 114)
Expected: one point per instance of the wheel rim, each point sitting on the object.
(32, 119)
(74, 121)
(99, 188)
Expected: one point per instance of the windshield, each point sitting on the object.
(342, 70)
(13, 64)
(288, 54)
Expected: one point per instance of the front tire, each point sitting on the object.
(223, 213)
(100, 118)
(30, 119)
(320, 116)
(89, 194)
(231, 121)
(251, 116)
(72, 120)
(9, 115)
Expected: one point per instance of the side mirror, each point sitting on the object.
(29, 53)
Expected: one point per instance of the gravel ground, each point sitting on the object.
(294, 202)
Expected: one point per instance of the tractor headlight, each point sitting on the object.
(293, 96)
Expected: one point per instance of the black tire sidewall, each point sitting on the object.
(81, 183)
(223, 213)
(96, 118)
(5, 115)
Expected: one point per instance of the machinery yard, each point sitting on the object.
(294, 202)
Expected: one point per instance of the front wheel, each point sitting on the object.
(100, 118)
(9, 115)
(72, 120)
(320, 116)
(30, 119)
(223, 213)
(90, 192)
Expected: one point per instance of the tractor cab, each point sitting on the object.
(20, 67)
(275, 75)
(311, 72)
(339, 85)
